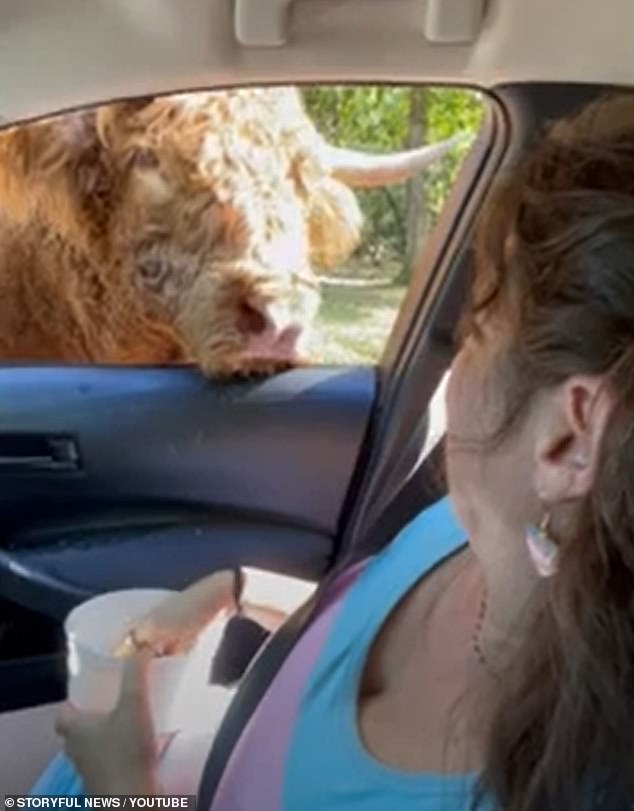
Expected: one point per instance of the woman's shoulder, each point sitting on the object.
(432, 535)
(359, 600)
(439, 518)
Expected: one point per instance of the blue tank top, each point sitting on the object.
(302, 748)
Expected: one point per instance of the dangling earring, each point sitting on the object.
(543, 550)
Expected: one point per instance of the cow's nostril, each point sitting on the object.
(251, 321)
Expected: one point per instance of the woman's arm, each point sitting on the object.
(174, 625)
(265, 597)
(269, 598)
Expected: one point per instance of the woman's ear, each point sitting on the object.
(570, 430)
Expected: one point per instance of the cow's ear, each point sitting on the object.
(334, 223)
(55, 169)
(36, 158)
(116, 122)
(43, 148)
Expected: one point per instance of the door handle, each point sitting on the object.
(38, 453)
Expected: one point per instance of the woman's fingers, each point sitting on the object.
(70, 718)
(142, 638)
(133, 707)
(133, 695)
(126, 647)
(66, 719)
(135, 678)
(72, 724)
(118, 747)
(132, 715)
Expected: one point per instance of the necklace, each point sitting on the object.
(476, 637)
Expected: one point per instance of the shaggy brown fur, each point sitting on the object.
(184, 228)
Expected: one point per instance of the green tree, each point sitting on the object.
(385, 118)
(415, 198)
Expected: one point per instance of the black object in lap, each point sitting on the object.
(241, 640)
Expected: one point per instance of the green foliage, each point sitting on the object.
(377, 118)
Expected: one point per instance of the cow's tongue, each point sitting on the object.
(283, 348)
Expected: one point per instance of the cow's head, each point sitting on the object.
(215, 208)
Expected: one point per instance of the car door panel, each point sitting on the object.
(32, 681)
(167, 458)
(171, 477)
(170, 437)
(53, 577)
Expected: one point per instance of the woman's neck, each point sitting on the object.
(507, 584)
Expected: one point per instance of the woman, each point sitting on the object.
(496, 673)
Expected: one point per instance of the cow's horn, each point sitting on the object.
(369, 170)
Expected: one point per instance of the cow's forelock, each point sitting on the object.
(212, 229)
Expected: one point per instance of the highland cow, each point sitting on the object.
(180, 229)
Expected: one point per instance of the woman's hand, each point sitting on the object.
(175, 624)
(115, 753)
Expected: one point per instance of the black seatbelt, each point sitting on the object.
(427, 485)
(249, 693)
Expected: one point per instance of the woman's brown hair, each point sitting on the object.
(554, 257)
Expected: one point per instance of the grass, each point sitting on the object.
(353, 326)
(355, 321)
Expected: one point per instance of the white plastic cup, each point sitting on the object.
(95, 628)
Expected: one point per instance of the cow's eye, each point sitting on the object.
(144, 158)
(152, 270)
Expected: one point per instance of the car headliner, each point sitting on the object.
(64, 53)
